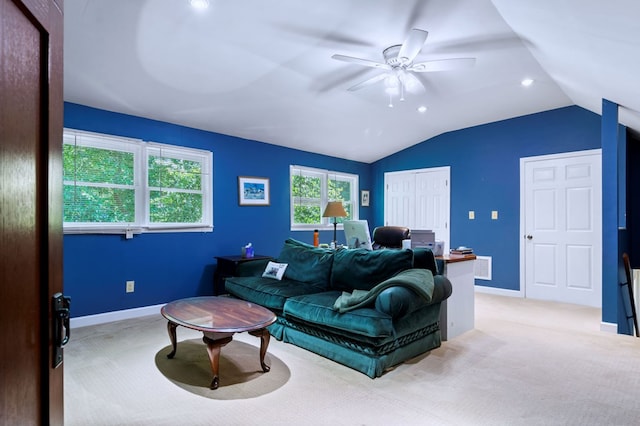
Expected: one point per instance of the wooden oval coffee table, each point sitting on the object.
(219, 318)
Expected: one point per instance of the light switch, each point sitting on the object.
(494, 214)
(472, 215)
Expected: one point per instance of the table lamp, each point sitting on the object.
(335, 210)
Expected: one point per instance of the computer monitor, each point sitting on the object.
(357, 234)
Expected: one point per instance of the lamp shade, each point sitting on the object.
(334, 209)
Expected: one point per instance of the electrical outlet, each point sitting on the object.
(472, 215)
(131, 285)
(494, 214)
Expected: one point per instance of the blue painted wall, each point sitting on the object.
(613, 218)
(175, 265)
(485, 176)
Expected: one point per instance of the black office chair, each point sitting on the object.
(390, 236)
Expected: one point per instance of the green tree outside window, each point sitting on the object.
(104, 184)
(311, 189)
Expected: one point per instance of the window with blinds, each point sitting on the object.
(119, 185)
(312, 189)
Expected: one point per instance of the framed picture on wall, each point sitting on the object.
(364, 198)
(253, 191)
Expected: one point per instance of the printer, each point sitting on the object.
(426, 239)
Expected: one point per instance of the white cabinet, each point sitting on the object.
(457, 313)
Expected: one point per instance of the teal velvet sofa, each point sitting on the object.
(368, 310)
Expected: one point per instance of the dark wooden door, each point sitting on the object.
(30, 208)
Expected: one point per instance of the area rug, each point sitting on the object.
(241, 376)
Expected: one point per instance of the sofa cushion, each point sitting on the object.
(266, 292)
(362, 269)
(307, 264)
(318, 309)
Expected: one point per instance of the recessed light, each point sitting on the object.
(422, 108)
(527, 82)
(199, 4)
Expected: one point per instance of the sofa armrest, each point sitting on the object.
(398, 301)
(255, 268)
(442, 288)
(424, 258)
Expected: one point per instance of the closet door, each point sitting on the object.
(432, 202)
(419, 199)
(400, 199)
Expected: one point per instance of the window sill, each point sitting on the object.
(130, 232)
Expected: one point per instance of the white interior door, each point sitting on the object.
(419, 199)
(562, 227)
(399, 199)
(432, 203)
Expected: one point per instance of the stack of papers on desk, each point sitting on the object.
(461, 250)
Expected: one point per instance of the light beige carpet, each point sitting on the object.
(527, 362)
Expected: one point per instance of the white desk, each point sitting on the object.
(457, 313)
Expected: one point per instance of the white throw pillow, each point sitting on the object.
(275, 270)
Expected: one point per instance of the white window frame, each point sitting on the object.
(141, 151)
(178, 152)
(325, 177)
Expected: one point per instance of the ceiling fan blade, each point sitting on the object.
(418, 10)
(443, 65)
(368, 82)
(494, 42)
(365, 62)
(334, 80)
(315, 35)
(412, 45)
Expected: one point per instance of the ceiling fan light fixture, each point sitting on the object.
(391, 81)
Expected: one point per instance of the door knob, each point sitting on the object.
(529, 237)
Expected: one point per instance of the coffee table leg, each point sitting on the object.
(264, 336)
(171, 328)
(213, 348)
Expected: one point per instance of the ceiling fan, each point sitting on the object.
(399, 68)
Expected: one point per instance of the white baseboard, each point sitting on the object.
(115, 316)
(498, 291)
(609, 327)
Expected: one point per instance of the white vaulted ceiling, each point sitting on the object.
(262, 69)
